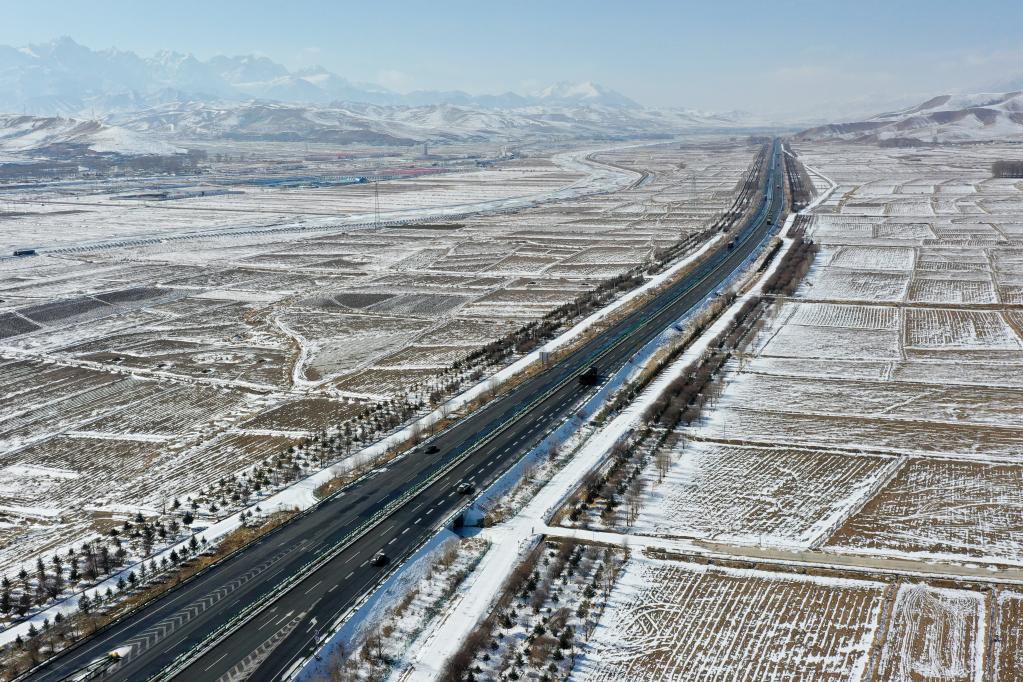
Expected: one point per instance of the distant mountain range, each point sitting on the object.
(943, 119)
(403, 125)
(64, 78)
(65, 96)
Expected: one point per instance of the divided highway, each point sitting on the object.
(308, 574)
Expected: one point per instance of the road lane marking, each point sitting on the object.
(314, 586)
(347, 577)
(404, 531)
(216, 661)
(393, 540)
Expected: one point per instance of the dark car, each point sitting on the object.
(431, 450)
(591, 377)
(379, 559)
(465, 488)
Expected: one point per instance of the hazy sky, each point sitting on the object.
(721, 54)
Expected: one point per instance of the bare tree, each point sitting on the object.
(662, 459)
(634, 499)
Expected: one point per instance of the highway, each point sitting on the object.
(322, 557)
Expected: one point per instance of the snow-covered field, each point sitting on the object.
(137, 376)
(901, 346)
(935, 634)
(671, 621)
(875, 417)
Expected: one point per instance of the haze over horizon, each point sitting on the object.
(868, 56)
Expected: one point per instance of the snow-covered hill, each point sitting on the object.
(946, 118)
(23, 137)
(403, 125)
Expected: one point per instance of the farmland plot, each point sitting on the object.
(962, 287)
(873, 258)
(935, 634)
(1008, 651)
(942, 509)
(842, 284)
(671, 621)
(880, 400)
(745, 495)
(856, 433)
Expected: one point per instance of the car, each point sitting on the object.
(431, 450)
(591, 377)
(465, 488)
(379, 559)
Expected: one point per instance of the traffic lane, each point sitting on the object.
(525, 430)
(396, 535)
(351, 575)
(298, 540)
(398, 541)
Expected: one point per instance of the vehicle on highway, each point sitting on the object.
(465, 488)
(379, 559)
(97, 668)
(431, 450)
(591, 377)
(731, 245)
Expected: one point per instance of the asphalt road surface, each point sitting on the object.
(393, 510)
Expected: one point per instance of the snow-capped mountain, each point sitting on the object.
(23, 137)
(178, 97)
(63, 77)
(586, 93)
(946, 118)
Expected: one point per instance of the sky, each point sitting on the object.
(719, 55)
